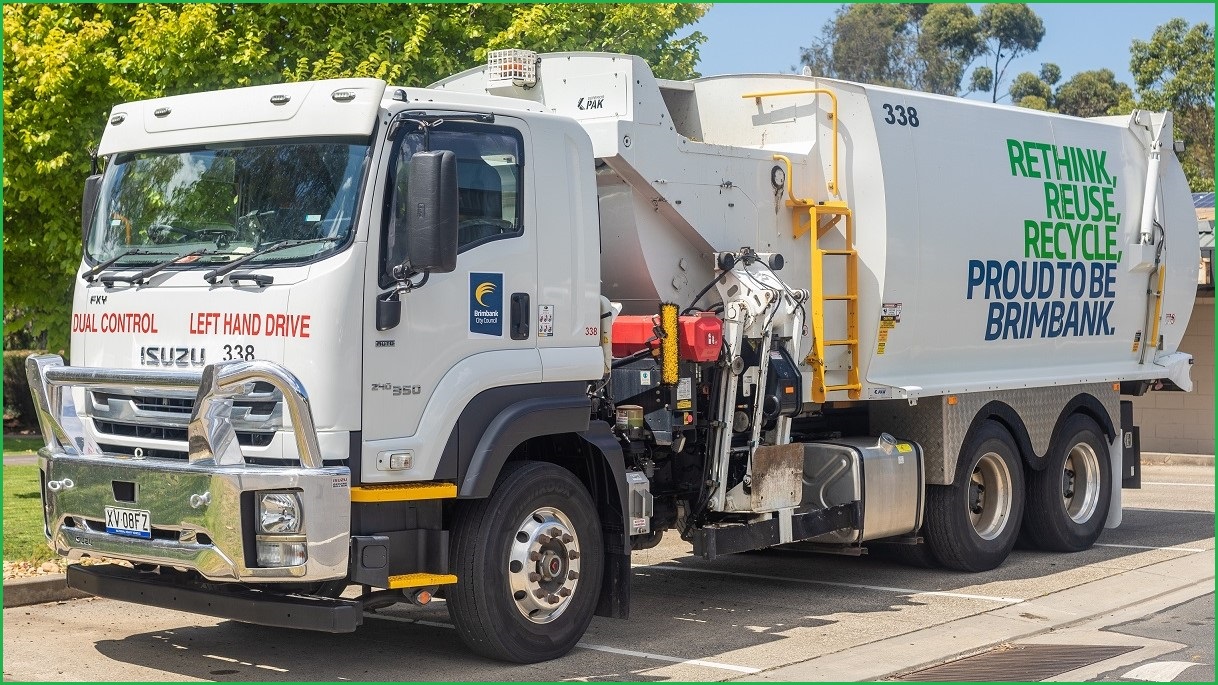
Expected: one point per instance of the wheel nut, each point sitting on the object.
(565, 592)
(555, 532)
(539, 593)
(543, 539)
(552, 599)
(534, 556)
(534, 577)
(573, 554)
(573, 574)
(566, 539)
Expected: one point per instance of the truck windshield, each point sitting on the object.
(231, 199)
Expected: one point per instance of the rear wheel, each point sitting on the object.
(529, 562)
(1068, 500)
(971, 525)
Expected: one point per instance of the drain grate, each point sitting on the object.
(1021, 663)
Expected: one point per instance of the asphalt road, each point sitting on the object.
(774, 615)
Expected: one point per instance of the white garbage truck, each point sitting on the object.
(481, 340)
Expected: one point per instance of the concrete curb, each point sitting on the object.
(39, 590)
(1166, 458)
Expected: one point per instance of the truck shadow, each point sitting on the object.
(734, 611)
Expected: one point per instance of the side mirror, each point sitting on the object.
(427, 242)
(88, 205)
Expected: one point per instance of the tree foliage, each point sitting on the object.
(1010, 31)
(1092, 93)
(1086, 94)
(66, 65)
(924, 47)
(1174, 71)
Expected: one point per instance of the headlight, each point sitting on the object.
(279, 513)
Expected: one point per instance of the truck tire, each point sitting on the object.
(529, 561)
(971, 525)
(1068, 500)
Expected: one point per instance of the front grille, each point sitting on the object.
(182, 405)
(178, 433)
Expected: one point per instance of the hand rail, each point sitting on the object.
(833, 185)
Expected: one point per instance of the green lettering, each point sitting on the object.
(1109, 205)
(1083, 240)
(1052, 201)
(1086, 168)
(1074, 235)
(1031, 235)
(1057, 238)
(1109, 243)
(1069, 199)
(1028, 146)
(1063, 162)
(1046, 238)
(1015, 152)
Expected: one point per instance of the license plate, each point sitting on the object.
(130, 522)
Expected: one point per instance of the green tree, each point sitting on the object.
(1010, 31)
(1174, 71)
(66, 65)
(1092, 93)
(923, 47)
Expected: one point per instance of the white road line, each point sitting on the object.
(1171, 549)
(273, 668)
(222, 658)
(1171, 511)
(882, 588)
(600, 648)
(670, 659)
(1160, 671)
(1183, 485)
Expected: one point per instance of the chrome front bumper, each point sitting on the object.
(202, 510)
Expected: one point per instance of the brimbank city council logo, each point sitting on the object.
(486, 304)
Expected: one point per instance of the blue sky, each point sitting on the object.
(766, 38)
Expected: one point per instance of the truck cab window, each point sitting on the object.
(488, 179)
(230, 200)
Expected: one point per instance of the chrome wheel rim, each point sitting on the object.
(543, 565)
(989, 496)
(1081, 482)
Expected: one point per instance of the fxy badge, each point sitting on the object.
(485, 305)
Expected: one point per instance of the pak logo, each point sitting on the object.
(485, 305)
(591, 102)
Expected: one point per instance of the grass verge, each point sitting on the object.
(23, 539)
(22, 444)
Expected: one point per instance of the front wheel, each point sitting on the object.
(971, 525)
(1068, 500)
(529, 562)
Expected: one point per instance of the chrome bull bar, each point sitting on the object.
(200, 510)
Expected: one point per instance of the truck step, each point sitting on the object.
(713, 541)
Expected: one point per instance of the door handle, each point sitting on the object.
(520, 316)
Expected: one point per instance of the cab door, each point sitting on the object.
(461, 332)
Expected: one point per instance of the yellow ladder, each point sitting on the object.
(807, 215)
(832, 211)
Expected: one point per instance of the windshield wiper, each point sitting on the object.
(142, 277)
(215, 275)
(91, 274)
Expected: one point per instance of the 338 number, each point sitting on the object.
(244, 352)
(900, 115)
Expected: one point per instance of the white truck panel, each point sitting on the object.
(687, 172)
(310, 110)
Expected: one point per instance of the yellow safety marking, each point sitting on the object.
(402, 492)
(420, 580)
